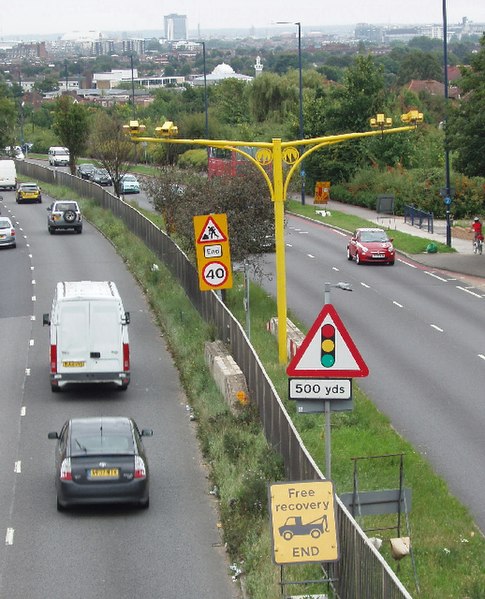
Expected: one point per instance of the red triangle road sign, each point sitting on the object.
(211, 232)
(328, 350)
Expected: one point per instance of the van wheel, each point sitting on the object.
(55, 388)
(123, 387)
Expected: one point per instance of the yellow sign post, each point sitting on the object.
(322, 192)
(213, 253)
(303, 522)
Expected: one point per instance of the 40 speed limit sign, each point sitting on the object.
(213, 253)
(301, 389)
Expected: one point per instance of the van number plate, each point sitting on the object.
(74, 364)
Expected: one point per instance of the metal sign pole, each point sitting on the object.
(328, 442)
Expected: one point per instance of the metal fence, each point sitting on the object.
(416, 218)
(361, 572)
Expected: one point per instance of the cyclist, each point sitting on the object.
(476, 228)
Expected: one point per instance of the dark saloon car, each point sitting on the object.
(86, 170)
(371, 245)
(101, 460)
(101, 177)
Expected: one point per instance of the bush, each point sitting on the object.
(194, 160)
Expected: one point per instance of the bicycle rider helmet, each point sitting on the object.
(476, 219)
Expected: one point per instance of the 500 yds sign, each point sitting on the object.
(319, 388)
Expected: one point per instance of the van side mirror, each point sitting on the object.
(53, 435)
(147, 432)
(126, 319)
(46, 320)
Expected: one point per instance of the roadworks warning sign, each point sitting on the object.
(303, 522)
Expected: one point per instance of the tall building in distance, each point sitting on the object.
(175, 27)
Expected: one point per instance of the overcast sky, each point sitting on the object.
(24, 17)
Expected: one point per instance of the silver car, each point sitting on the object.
(63, 215)
(7, 232)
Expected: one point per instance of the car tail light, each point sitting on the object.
(140, 470)
(126, 357)
(53, 359)
(12, 232)
(66, 473)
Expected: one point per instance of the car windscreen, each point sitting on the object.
(102, 443)
(373, 236)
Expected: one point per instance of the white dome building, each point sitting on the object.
(222, 71)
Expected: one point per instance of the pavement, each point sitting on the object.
(463, 261)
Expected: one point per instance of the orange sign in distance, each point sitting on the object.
(213, 252)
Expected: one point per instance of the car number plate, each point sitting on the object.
(73, 364)
(104, 473)
(378, 255)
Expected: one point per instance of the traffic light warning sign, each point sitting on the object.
(327, 351)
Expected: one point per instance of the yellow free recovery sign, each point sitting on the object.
(303, 522)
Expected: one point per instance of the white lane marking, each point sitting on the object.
(432, 274)
(303, 232)
(32, 267)
(335, 269)
(23, 411)
(9, 536)
(18, 467)
(289, 245)
(481, 356)
(32, 317)
(407, 263)
(436, 327)
(33, 281)
(365, 285)
(31, 342)
(397, 304)
(27, 371)
(310, 255)
(342, 233)
(34, 298)
(468, 291)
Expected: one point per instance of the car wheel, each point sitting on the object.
(357, 258)
(79, 230)
(14, 245)
(69, 216)
(39, 201)
(391, 263)
(60, 507)
(145, 504)
(349, 255)
(51, 230)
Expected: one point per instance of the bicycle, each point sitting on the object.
(478, 245)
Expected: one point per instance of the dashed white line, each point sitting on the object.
(468, 291)
(310, 255)
(432, 274)
(397, 304)
(32, 342)
(27, 372)
(34, 298)
(32, 317)
(33, 281)
(18, 467)
(335, 269)
(365, 285)
(9, 536)
(23, 411)
(436, 327)
(481, 356)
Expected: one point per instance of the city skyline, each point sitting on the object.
(31, 18)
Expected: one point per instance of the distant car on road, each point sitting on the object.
(64, 214)
(7, 232)
(101, 460)
(370, 245)
(85, 170)
(129, 184)
(101, 177)
(28, 192)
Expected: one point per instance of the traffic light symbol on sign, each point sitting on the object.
(327, 350)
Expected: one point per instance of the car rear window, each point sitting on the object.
(5, 224)
(61, 207)
(101, 444)
(27, 187)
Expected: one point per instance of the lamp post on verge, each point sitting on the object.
(132, 87)
(206, 107)
(448, 197)
(300, 89)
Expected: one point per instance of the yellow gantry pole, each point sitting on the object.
(279, 219)
(280, 152)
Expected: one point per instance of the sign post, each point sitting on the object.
(322, 364)
(213, 253)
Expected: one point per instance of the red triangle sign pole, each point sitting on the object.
(328, 350)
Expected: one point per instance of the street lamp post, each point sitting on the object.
(206, 107)
(132, 87)
(300, 90)
(448, 197)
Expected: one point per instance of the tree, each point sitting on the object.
(71, 125)
(8, 115)
(466, 123)
(420, 65)
(110, 145)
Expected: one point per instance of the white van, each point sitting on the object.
(88, 335)
(58, 156)
(8, 174)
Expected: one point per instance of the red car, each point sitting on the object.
(370, 245)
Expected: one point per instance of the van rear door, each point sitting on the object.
(105, 343)
(73, 337)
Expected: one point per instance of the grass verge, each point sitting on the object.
(448, 549)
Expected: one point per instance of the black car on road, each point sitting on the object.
(101, 460)
(86, 170)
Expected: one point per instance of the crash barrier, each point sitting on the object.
(361, 571)
(416, 218)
